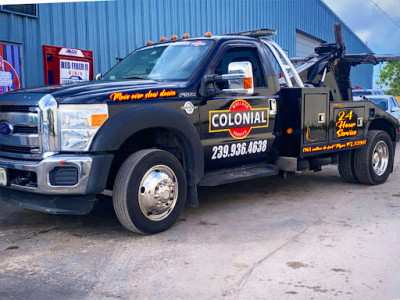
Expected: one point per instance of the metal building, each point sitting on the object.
(112, 29)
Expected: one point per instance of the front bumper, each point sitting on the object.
(52, 204)
(92, 173)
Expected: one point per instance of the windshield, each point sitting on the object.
(382, 103)
(361, 93)
(171, 61)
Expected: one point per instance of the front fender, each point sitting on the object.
(117, 129)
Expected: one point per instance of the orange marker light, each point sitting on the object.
(174, 37)
(186, 36)
(163, 39)
(149, 43)
(208, 34)
(247, 83)
(289, 131)
(97, 120)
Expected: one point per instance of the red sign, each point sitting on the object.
(66, 65)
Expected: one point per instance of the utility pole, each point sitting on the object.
(338, 33)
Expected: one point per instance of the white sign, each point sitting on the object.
(5, 79)
(71, 52)
(73, 71)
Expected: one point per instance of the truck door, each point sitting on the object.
(239, 129)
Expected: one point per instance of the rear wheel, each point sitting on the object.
(346, 166)
(149, 191)
(374, 163)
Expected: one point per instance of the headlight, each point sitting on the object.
(79, 123)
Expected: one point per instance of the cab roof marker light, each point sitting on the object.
(185, 36)
(149, 43)
(208, 34)
(163, 39)
(174, 37)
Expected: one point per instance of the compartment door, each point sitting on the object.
(315, 117)
(348, 120)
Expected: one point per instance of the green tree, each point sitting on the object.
(390, 76)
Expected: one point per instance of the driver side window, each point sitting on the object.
(244, 54)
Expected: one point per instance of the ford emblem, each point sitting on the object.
(6, 128)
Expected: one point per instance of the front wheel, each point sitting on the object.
(149, 191)
(374, 162)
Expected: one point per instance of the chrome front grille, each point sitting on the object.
(24, 140)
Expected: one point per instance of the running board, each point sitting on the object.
(225, 176)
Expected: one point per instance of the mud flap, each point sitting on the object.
(192, 198)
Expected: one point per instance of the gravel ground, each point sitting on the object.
(309, 236)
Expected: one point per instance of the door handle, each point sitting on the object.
(272, 107)
(321, 118)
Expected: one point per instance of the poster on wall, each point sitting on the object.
(73, 71)
(10, 67)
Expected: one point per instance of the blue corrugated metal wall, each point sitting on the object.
(114, 28)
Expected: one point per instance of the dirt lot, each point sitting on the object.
(309, 236)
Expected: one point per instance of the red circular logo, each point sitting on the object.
(240, 105)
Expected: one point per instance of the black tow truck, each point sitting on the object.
(184, 113)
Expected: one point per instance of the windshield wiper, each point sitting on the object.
(134, 77)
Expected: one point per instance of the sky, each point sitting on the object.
(379, 31)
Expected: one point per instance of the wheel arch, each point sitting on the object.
(384, 125)
(135, 122)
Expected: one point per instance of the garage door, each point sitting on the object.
(305, 44)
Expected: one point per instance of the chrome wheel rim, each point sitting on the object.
(158, 193)
(380, 158)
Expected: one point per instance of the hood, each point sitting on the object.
(94, 91)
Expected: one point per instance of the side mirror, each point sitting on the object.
(98, 76)
(242, 78)
(239, 78)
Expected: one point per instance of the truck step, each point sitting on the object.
(247, 172)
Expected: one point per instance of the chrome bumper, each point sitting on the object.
(92, 174)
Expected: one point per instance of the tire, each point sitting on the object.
(149, 191)
(374, 162)
(346, 167)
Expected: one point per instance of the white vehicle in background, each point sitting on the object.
(358, 93)
(386, 102)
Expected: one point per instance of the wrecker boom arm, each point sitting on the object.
(371, 58)
(333, 57)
